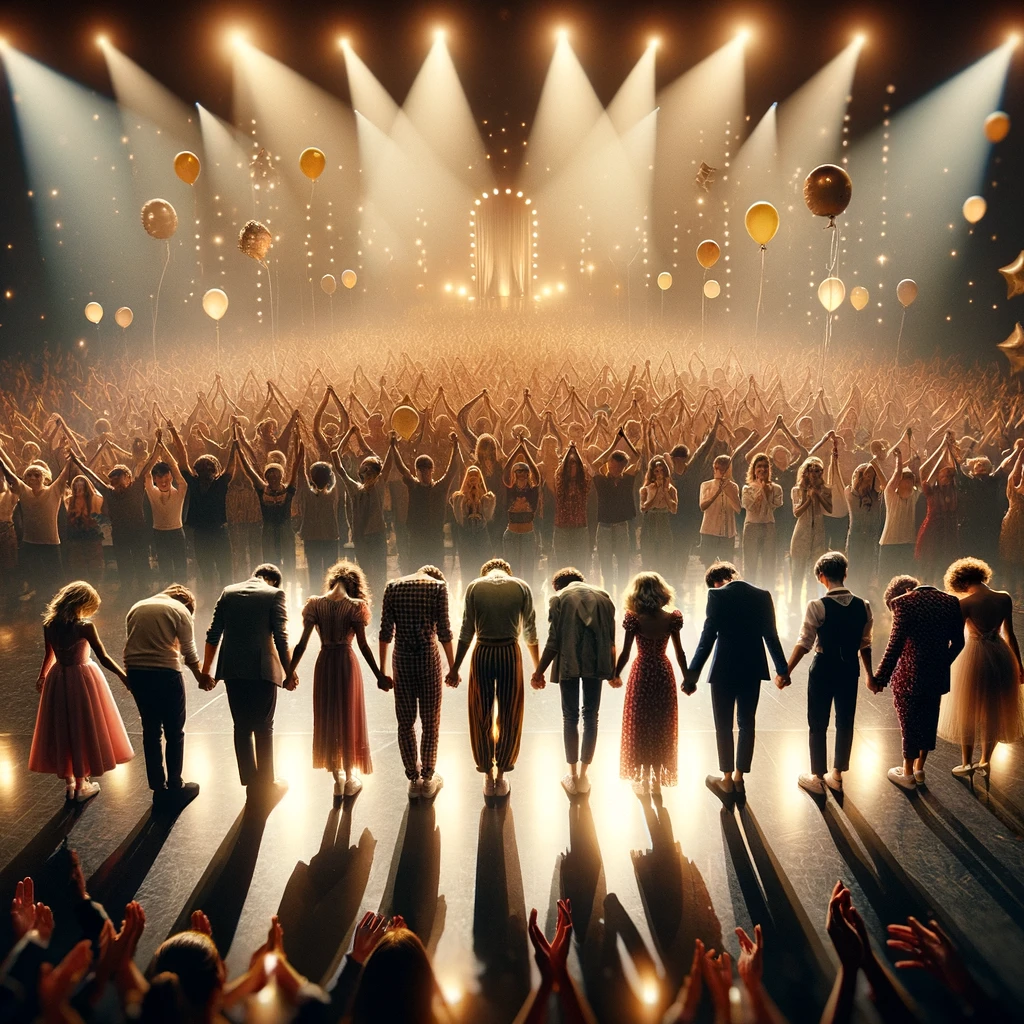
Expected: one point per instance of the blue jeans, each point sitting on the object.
(571, 716)
(613, 547)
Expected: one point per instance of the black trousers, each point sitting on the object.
(252, 703)
(213, 556)
(828, 684)
(571, 716)
(170, 555)
(160, 696)
(735, 699)
(131, 552)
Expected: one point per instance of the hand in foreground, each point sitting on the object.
(688, 999)
(23, 908)
(750, 965)
(842, 929)
(201, 923)
(56, 984)
(537, 681)
(931, 950)
(369, 932)
(551, 956)
(717, 974)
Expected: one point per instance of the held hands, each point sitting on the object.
(782, 681)
(537, 680)
(292, 682)
(384, 682)
(207, 682)
(453, 678)
(874, 686)
(615, 682)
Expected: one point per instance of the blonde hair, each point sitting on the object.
(647, 594)
(71, 604)
(752, 466)
(965, 573)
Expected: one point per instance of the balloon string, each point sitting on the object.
(273, 328)
(703, 299)
(156, 303)
(760, 292)
(899, 336)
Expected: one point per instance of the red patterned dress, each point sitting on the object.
(650, 717)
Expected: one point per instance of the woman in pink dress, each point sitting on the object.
(79, 732)
(340, 737)
(650, 714)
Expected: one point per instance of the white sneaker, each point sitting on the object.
(501, 787)
(339, 786)
(834, 782)
(353, 785)
(963, 769)
(569, 784)
(488, 784)
(87, 791)
(981, 768)
(812, 784)
(582, 784)
(429, 788)
(415, 788)
(897, 777)
(919, 776)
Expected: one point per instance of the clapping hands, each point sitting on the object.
(27, 915)
(551, 956)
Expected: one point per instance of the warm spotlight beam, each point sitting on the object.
(635, 97)
(369, 97)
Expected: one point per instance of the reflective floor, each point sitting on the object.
(645, 881)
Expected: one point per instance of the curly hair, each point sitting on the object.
(898, 586)
(752, 465)
(647, 594)
(811, 462)
(965, 573)
(565, 576)
(351, 577)
(857, 480)
(183, 595)
(71, 604)
(433, 572)
(495, 563)
(207, 460)
(720, 572)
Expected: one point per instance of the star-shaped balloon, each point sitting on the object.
(1013, 347)
(1014, 274)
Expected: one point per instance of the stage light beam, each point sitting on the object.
(561, 35)
(860, 39)
(744, 35)
(102, 40)
(343, 43)
(440, 35)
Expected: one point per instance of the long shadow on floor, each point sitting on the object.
(222, 890)
(415, 874)
(997, 801)
(321, 899)
(120, 876)
(798, 972)
(676, 900)
(499, 918)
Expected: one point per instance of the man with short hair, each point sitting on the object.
(616, 510)
(719, 503)
(414, 614)
(161, 637)
(251, 620)
(739, 622)
(166, 490)
(837, 627)
(581, 644)
(498, 608)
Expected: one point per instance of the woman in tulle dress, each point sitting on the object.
(340, 737)
(985, 702)
(79, 732)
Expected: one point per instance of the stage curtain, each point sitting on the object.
(503, 248)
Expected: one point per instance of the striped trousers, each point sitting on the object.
(496, 673)
(418, 681)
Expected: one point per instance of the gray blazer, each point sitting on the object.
(249, 622)
(581, 632)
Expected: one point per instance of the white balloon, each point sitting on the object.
(712, 289)
(123, 316)
(906, 292)
(215, 303)
(974, 209)
(831, 293)
(859, 297)
(93, 312)
(348, 278)
(664, 280)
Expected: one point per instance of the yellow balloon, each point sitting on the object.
(707, 253)
(215, 303)
(93, 312)
(123, 316)
(328, 284)
(664, 280)
(859, 297)
(187, 167)
(974, 209)
(712, 289)
(831, 293)
(997, 126)
(906, 292)
(348, 278)
(312, 163)
(404, 421)
(762, 221)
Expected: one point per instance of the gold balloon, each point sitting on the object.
(664, 280)
(827, 190)
(328, 284)
(93, 312)
(404, 421)
(831, 293)
(159, 219)
(123, 317)
(255, 240)
(997, 126)
(348, 278)
(859, 297)
(215, 303)
(974, 209)
(1013, 349)
(708, 253)
(312, 163)
(906, 292)
(762, 221)
(1014, 274)
(187, 167)
(712, 289)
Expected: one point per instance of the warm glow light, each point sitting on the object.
(743, 35)
(452, 991)
(343, 43)
(649, 994)
(102, 40)
(654, 42)
(860, 39)
(562, 34)
(1013, 38)
(236, 38)
(440, 35)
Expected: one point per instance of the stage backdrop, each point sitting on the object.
(503, 257)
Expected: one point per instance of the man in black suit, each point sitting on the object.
(250, 626)
(741, 618)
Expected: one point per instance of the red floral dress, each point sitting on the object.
(650, 717)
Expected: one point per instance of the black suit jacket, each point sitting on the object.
(251, 619)
(739, 621)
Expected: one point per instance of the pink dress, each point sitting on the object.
(339, 711)
(650, 719)
(78, 731)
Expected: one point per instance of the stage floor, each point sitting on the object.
(644, 880)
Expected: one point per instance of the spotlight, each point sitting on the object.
(562, 34)
(236, 38)
(743, 35)
(343, 43)
(1013, 39)
(860, 39)
(654, 42)
(3, 43)
(102, 40)
(440, 35)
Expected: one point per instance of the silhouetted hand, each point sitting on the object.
(207, 682)
(56, 984)
(750, 965)
(385, 683)
(369, 932)
(931, 950)
(615, 682)
(874, 686)
(717, 974)
(782, 681)
(23, 908)
(201, 923)
(551, 956)
(537, 681)
(452, 679)
(841, 929)
(292, 682)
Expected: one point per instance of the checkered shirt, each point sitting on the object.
(414, 611)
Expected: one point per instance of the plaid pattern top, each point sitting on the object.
(415, 610)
